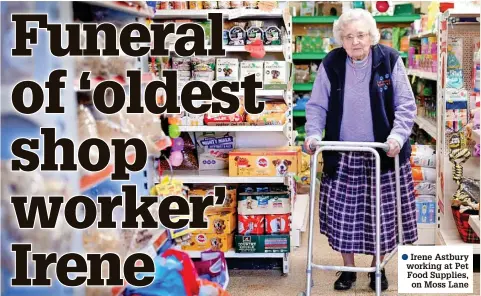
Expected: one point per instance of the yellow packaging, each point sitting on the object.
(201, 241)
(265, 163)
(219, 223)
(230, 201)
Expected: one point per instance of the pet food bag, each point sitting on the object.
(278, 224)
(251, 224)
(423, 156)
(424, 188)
(213, 150)
(421, 174)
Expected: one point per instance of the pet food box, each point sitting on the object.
(230, 201)
(251, 224)
(275, 75)
(263, 203)
(227, 69)
(213, 150)
(201, 241)
(220, 223)
(262, 243)
(278, 224)
(252, 67)
(269, 162)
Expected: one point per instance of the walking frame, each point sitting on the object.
(354, 147)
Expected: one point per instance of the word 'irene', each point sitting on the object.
(154, 47)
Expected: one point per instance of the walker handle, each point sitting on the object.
(314, 146)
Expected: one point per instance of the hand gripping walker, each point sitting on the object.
(360, 147)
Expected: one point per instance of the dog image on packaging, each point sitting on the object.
(266, 163)
(275, 72)
(277, 224)
(201, 241)
(252, 67)
(263, 203)
(251, 225)
(227, 69)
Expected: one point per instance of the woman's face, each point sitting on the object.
(356, 40)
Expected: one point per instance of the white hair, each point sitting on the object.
(352, 15)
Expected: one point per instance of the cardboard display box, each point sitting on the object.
(265, 163)
(262, 243)
(201, 241)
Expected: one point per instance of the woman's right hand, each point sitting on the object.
(310, 145)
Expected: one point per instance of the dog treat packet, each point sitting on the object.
(213, 150)
(227, 69)
(252, 67)
(275, 72)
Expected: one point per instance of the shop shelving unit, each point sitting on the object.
(447, 233)
(265, 136)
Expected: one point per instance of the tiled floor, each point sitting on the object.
(271, 283)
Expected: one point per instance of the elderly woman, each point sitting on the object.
(362, 94)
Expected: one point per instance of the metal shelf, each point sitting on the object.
(233, 254)
(314, 19)
(427, 125)
(221, 177)
(299, 113)
(302, 86)
(331, 19)
(451, 238)
(309, 55)
(423, 74)
(228, 13)
(424, 34)
(232, 128)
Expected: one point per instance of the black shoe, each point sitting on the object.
(345, 281)
(384, 282)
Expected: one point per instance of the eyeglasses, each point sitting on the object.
(350, 38)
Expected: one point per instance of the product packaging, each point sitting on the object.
(278, 224)
(227, 69)
(252, 67)
(201, 241)
(213, 150)
(251, 224)
(267, 162)
(275, 74)
(263, 203)
(455, 63)
(262, 244)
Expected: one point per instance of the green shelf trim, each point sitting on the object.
(409, 18)
(314, 19)
(302, 86)
(309, 55)
(299, 113)
(403, 54)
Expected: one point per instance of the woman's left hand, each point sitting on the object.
(394, 148)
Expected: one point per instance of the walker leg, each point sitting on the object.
(378, 225)
(312, 199)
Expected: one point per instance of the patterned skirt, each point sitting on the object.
(348, 206)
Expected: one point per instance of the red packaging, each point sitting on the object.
(251, 225)
(278, 224)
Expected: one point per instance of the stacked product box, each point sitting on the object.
(263, 219)
(222, 222)
(423, 161)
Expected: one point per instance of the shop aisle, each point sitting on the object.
(271, 283)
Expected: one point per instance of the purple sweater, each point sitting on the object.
(357, 123)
